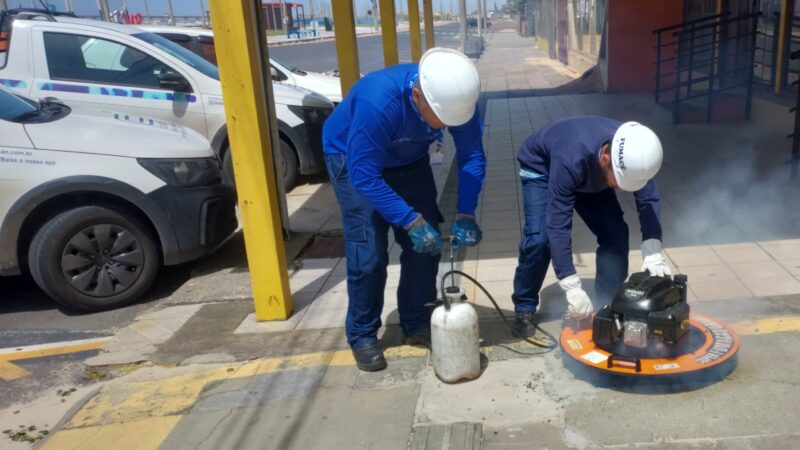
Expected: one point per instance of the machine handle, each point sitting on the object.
(624, 359)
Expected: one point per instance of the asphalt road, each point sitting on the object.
(321, 56)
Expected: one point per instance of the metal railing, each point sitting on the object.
(705, 57)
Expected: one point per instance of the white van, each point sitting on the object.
(201, 42)
(93, 202)
(141, 74)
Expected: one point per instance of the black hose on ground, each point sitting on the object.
(545, 345)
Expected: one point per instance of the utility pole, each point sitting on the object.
(105, 13)
(374, 14)
(480, 19)
(462, 16)
(171, 13)
(284, 19)
(485, 18)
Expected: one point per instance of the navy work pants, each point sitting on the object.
(602, 214)
(366, 249)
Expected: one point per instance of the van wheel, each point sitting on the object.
(291, 168)
(93, 258)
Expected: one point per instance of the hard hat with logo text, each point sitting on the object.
(636, 156)
(450, 84)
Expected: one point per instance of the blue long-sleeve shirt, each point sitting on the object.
(378, 127)
(567, 152)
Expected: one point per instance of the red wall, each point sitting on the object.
(631, 40)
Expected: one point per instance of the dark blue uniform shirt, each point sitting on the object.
(377, 126)
(567, 152)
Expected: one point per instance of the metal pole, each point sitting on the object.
(171, 13)
(485, 17)
(250, 112)
(389, 33)
(202, 12)
(146, 9)
(346, 45)
(3, 5)
(480, 19)
(462, 16)
(68, 6)
(429, 31)
(284, 19)
(414, 30)
(105, 13)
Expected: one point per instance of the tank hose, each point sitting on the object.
(548, 346)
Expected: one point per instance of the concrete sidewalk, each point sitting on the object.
(202, 373)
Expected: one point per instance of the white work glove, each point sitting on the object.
(580, 306)
(653, 260)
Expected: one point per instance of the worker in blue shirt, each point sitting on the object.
(574, 165)
(376, 146)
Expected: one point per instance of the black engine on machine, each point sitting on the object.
(648, 316)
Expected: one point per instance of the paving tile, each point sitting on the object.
(783, 251)
(714, 272)
(693, 259)
(773, 286)
(741, 253)
(718, 290)
(763, 269)
(322, 318)
(792, 265)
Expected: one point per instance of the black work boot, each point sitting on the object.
(369, 358)
(524, 325)
(422, 337)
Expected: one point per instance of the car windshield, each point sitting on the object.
(181, 53)
(13, 107)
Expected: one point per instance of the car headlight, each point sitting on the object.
(184, 172)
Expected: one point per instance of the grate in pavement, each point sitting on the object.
(454, 436)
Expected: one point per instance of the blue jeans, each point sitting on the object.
(366, 249)
(603, 216)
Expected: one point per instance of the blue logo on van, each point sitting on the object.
(117, 92)
(16, 84)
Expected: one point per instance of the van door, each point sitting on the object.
(86, 68)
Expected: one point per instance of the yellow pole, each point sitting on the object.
(428, 13)
(413, 30)
(784, 22)
(389, 33)
(250, 114)
(346, 45)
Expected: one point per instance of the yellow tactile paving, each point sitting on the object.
(117, 436)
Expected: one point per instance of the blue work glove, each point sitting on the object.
(424, 237)
(466, 231)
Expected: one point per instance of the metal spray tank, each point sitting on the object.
(454, 334)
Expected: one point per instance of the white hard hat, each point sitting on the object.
(450, 84)
(636, 156)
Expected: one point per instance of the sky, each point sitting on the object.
(192, 7)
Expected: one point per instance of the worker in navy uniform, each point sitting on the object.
(574, 165)
(376, 145)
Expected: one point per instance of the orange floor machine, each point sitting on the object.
(649, 331)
